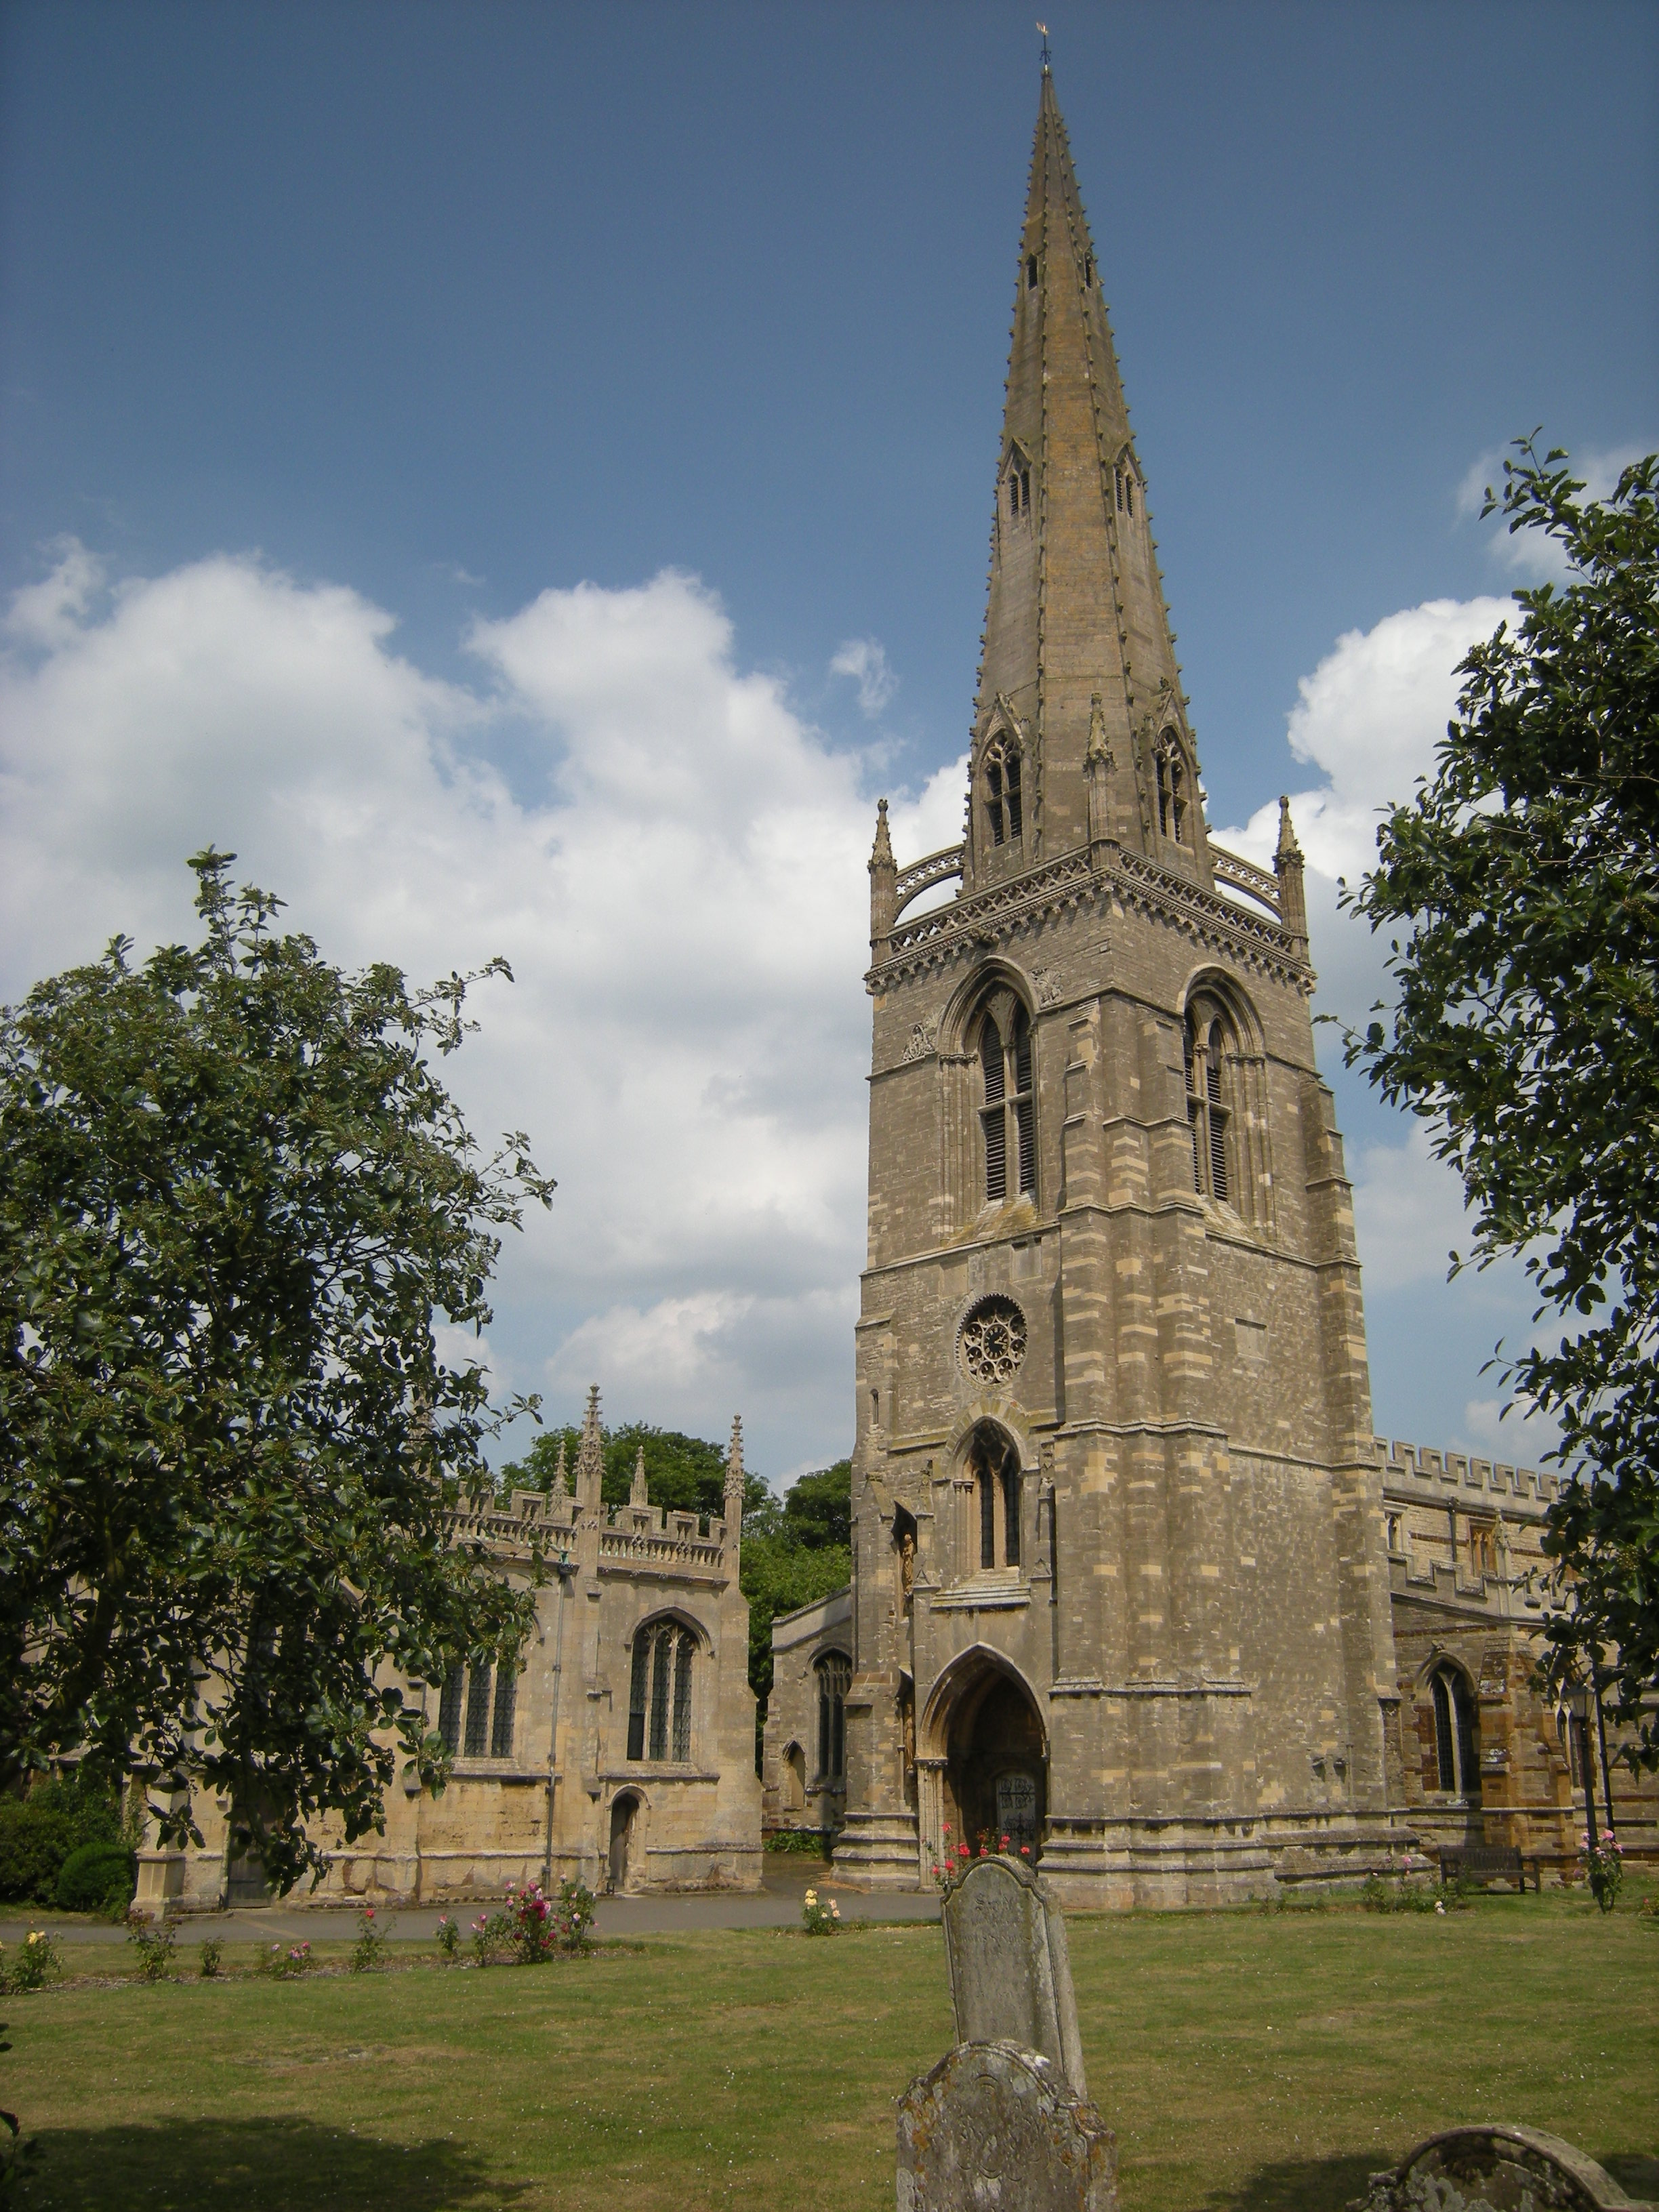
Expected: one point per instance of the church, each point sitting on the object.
(1135, 1588)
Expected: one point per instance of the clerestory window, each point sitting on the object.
(659, 1692)
(1007, 1111)
(1209, 1108)
(1004, 801)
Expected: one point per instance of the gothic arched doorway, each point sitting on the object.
(995, 1756)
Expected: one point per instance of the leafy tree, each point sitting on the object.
(684, 1475)
(235, 1200)
(1525, 1029)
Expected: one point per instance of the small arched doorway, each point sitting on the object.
(794, 1781)
(624, 1840)
(986, 1723)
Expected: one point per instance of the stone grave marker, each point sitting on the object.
(1496, 2169)
(1011, 1980)
(1002, 2123)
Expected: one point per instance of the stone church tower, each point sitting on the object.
(1120, 1588)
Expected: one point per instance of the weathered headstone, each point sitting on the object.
(995, 2129)
(1011, 1980)
(1496, 2169)
(1002, 2123)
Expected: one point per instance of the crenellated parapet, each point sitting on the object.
(1421, 1474)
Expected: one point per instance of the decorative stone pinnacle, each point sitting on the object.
(590, 1456)
(734, 1477)
(881, 854)
(638, 1494)
(1288, 848)
(561, 1480)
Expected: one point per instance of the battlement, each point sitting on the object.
(1416, 1470)
(647, 1535)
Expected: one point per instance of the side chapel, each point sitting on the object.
(621, 1750)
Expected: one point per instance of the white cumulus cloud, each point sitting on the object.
(865, 661)
(677, 876)
(1368, 718)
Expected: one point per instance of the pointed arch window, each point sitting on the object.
(1004, 799)
(1209, 1100)
(1016, 480)
(1007, 1113)
(659, 1692)
(834, 1679)
(1456, 1758)
(1174, 800)
(994, 1463)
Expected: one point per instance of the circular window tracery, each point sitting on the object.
(992, 1341)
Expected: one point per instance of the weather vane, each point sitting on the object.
(1043, 27)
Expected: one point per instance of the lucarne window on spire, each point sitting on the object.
(1031, 272)
(1005, 811)
(1172, 803)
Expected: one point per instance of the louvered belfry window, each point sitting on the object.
(659, 1692)
(1208, 1108)
(1008, 1108)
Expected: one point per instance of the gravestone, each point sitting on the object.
(1011, 1980)
(996, 2129)
(1003, 2124)
(1496, 2169)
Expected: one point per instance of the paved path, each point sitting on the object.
(777, 1905)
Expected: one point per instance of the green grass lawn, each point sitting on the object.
(1246, 2060)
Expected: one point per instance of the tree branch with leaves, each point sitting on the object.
(1524, 879)
(235, 1204)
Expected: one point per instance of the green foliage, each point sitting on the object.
(1524, 877)
(154, 1941)
(235, 1204)
(212, 1955)
(799, 1843)
(369, 1953)
(98, 1878)
(448, 1934)
(32, 1965)
(817, 1513)
(284, 1962)
(818, 1919)
(683, 1474)
(574, 1915)
(795, 1557)
(39, 1828)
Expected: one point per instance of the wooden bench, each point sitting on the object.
(1485, 1863)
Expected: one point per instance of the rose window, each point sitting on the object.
(993, 1342)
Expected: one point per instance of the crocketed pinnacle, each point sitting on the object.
(1076, 637)
(638, 1494)
(590, 1457)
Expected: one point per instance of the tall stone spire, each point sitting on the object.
(1079, 659)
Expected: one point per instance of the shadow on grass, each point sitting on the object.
(1636, 2174)
(1301, 2185)
(259, 2164)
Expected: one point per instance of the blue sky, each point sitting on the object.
(381, 323)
